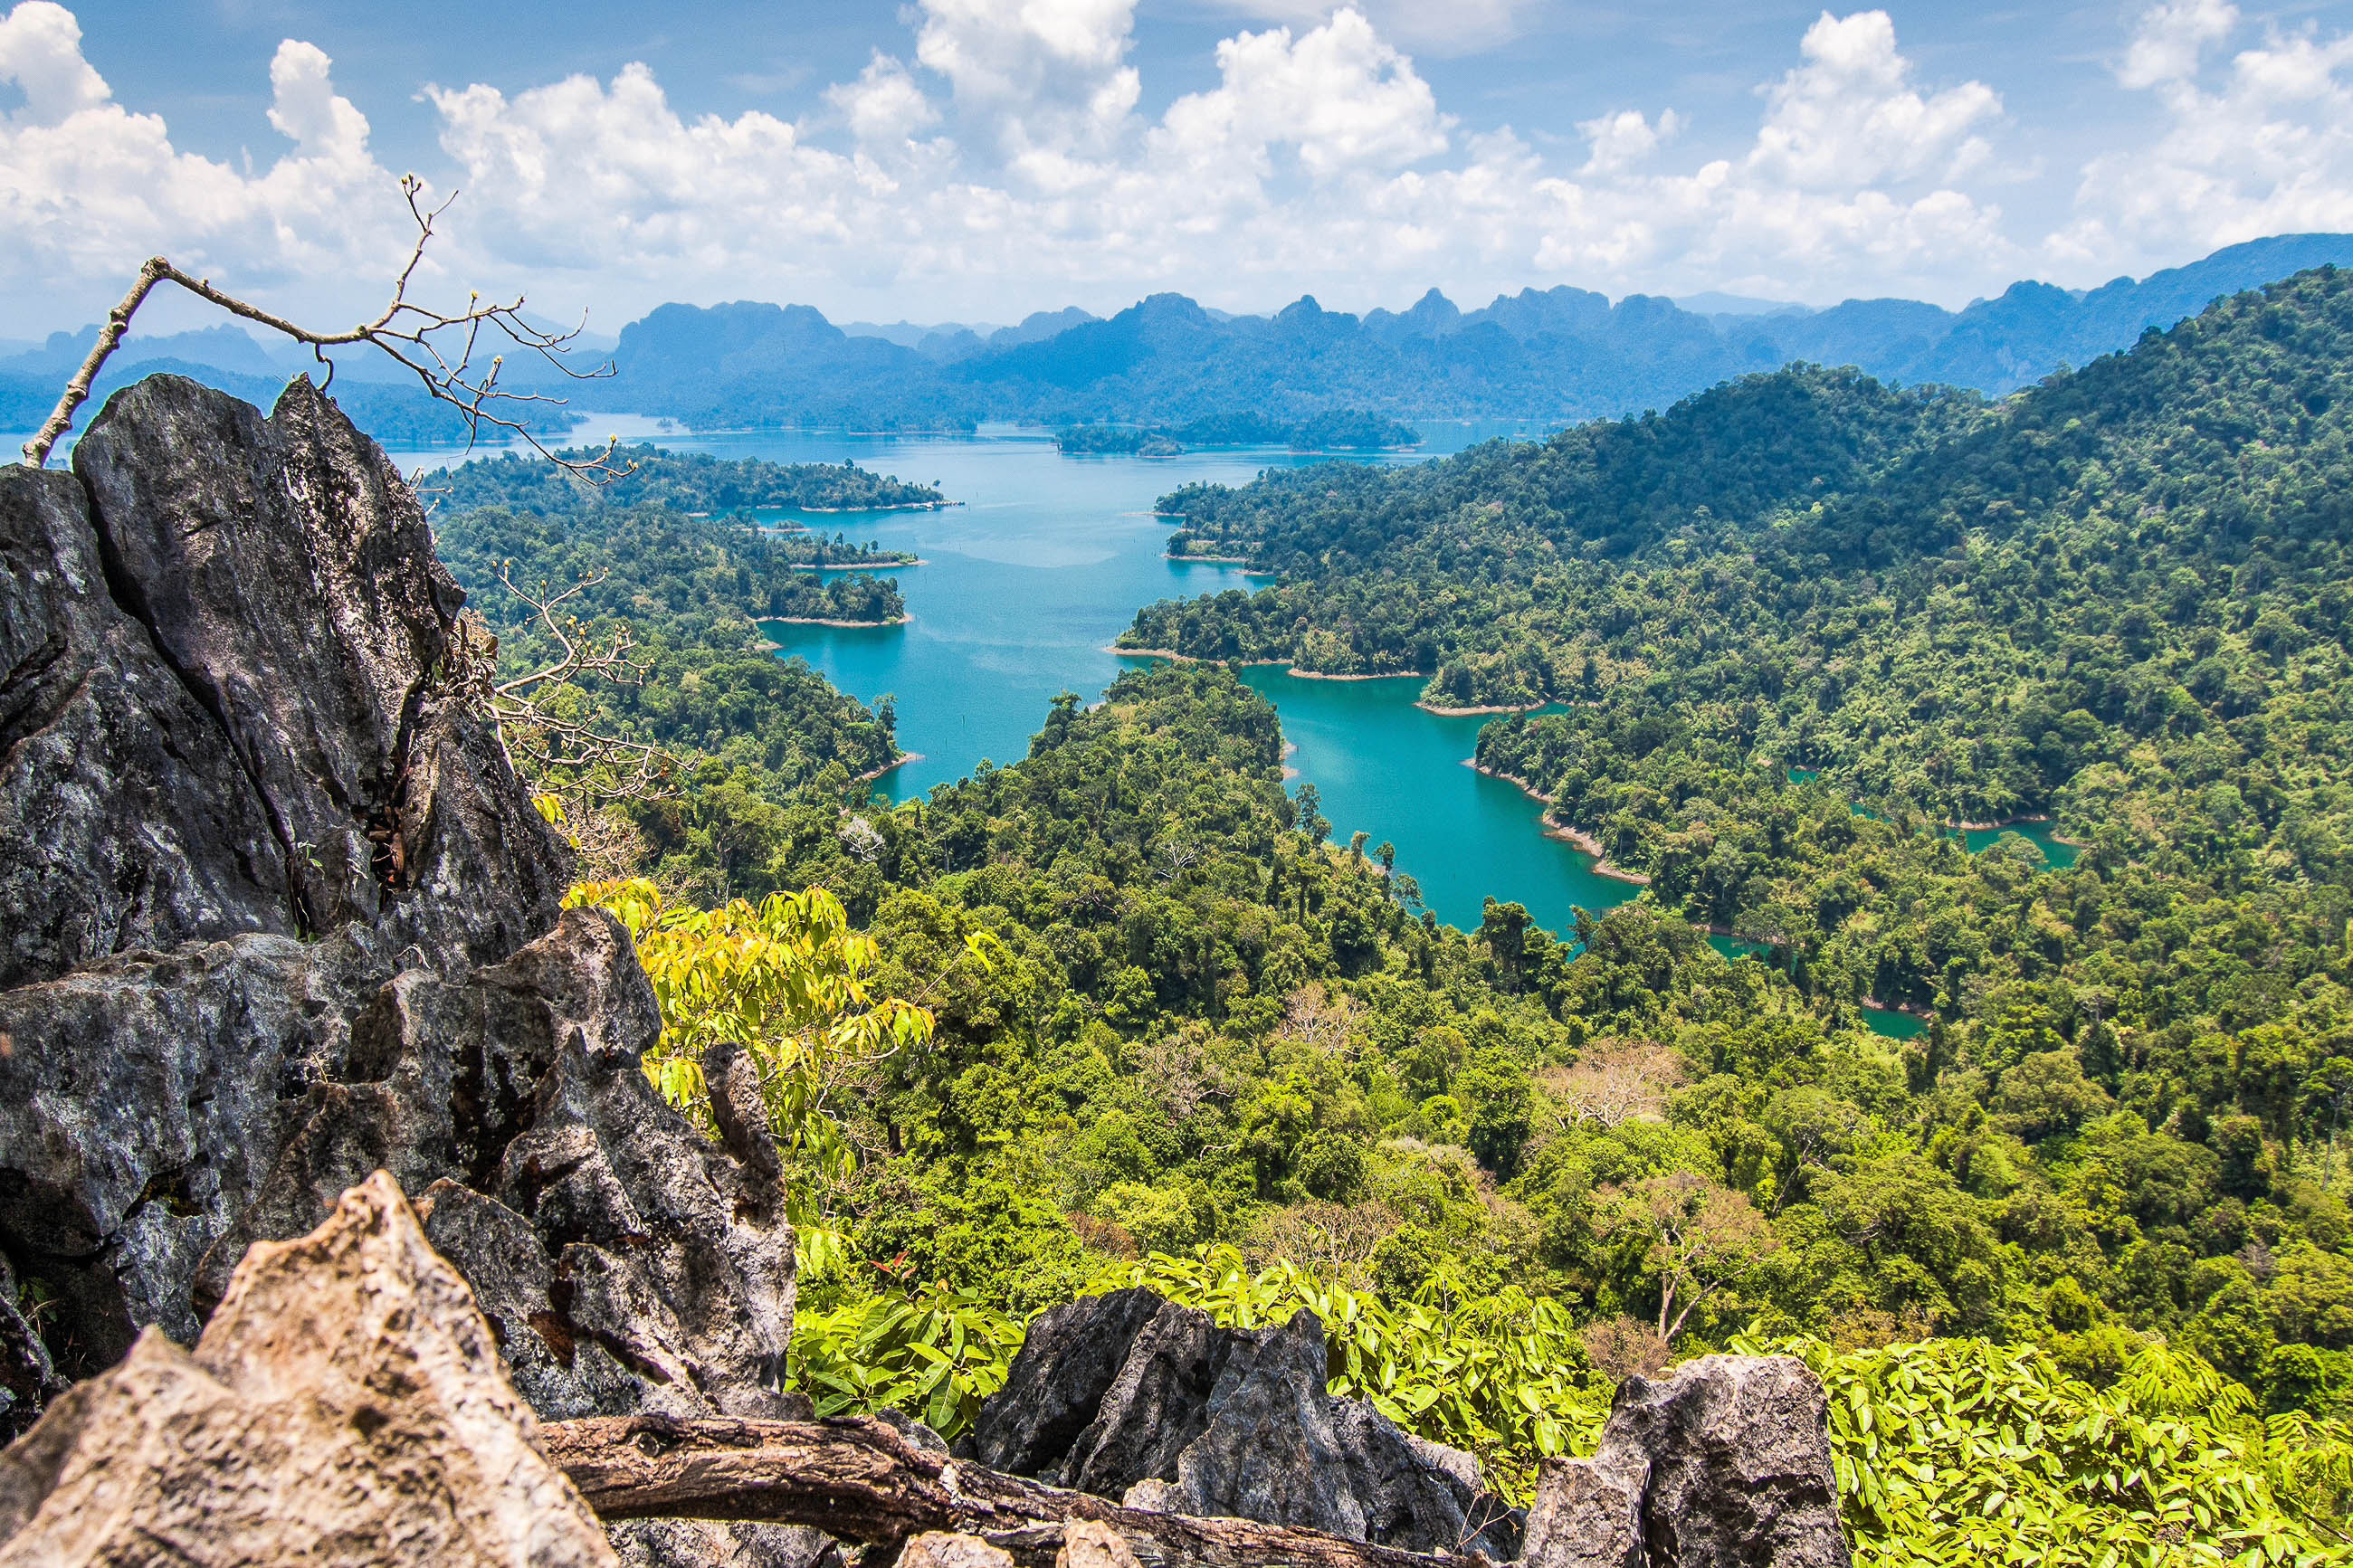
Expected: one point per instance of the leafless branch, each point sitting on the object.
(440, 349)
(605, 767)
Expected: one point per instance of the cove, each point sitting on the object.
(1398, 773)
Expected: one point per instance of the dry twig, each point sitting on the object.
(441, 349)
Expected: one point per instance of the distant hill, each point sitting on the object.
(1561, 354)
(1558, 354)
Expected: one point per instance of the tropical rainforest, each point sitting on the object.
(2075, 1262)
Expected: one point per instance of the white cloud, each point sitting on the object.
(1047, 75)
(1459, 28)
(1625, 140)
(1849, 116)
(2260, 143)
(884, 107)
(88, 189)
(1005, 164)
(2171, 38)
(1337, 96)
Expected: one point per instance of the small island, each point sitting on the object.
(1349, 430)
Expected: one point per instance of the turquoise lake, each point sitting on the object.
(1048, 559)
(1044, 563)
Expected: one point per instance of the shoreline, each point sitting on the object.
(854, 566)
(1576, 837)
(1284, 664)
(1479, 712)
(2017, 822)
(900, 762)
(1242, 561)
(1298, 674)
(824, 621)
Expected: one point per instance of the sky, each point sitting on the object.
(977, 160)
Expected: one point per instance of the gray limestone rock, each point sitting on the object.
(126, 821)
(1270, 1449)
(287, 575)
(1057, 1382)
(283, 915)
(1180, 1416)
(1724, 1462)
(1158, 1404)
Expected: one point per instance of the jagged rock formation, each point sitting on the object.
(1141, 1400)
(344, 1407)
(1724, 1463)
(281, 914)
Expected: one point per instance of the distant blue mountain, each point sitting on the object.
(1558, 354)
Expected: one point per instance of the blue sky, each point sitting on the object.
(976, 159)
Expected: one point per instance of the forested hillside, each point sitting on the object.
(744, 729)
(1172, 1020)
(1792, 626)
(1786, 630)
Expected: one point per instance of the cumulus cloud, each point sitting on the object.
(1001, 162)
(2167, 44)
(88, 189)
(1047, 75)
(884, 107)
(1625, 140)
(1337, 96)
(1849, 116)
(2255, 143)
(1460, 27)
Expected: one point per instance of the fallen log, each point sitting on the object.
(858, 1480)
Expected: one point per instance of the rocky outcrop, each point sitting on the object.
(1725, 1463)
(283, 915)
(1143, 1401)
(344, 1407)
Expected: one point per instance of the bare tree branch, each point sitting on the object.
(439, 348)
(605, 767)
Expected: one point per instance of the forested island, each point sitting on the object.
(1350, 430)
(694, 483)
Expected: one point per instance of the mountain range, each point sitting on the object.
(1560, 355)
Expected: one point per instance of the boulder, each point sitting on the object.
(1724, 1463)
(947, 1549)
(1086, 1543)
(1057, 1382)
(1152, 1404)
(344, 1407)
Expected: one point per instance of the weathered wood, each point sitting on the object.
(858, 1480)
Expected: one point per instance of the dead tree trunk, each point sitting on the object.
(858, 1480)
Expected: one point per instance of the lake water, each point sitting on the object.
(1046, 561)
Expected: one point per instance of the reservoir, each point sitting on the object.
(1046, 561)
